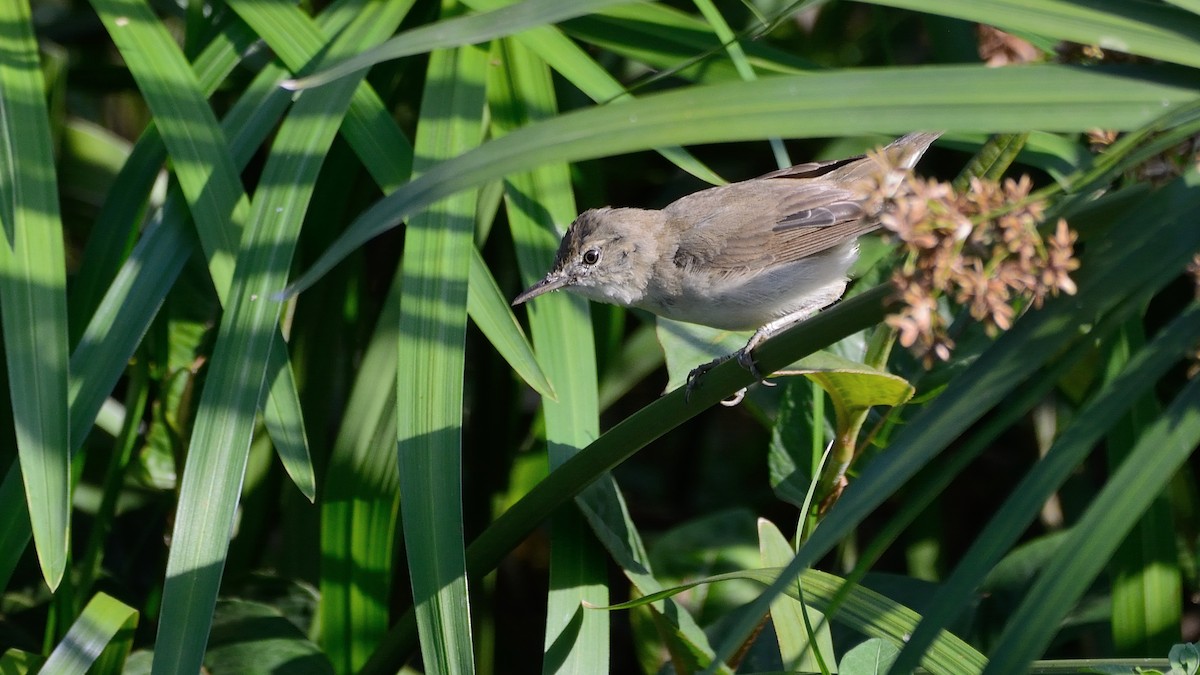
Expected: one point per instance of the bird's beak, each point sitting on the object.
(552, 282)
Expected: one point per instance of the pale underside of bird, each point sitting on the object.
(762, 254)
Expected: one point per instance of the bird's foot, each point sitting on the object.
(694, 377)
(744, 358)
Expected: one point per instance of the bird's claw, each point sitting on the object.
(744, 358)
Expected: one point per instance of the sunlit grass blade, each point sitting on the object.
(116, 224)
(737, 56)
(429, 396)
(1147, 586)
(98, 641)
(1148, 29)
(520, 91)
(207, 174)
(573, 63)
(459, 31)
(359, 506)
(962, 98)
(216, 462)
(678, 44)
(33, 291)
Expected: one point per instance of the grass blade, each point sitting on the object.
(429, 393)
(33, 291)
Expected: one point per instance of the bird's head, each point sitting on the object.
(607, 255)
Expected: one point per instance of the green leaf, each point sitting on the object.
(433, 315)
(519, 91)
(489, 310)
(1143, 28)
(33, 291)
(98, 641)
(805, 642)
(459, 31)
(873, 657)
(216, 461)
(255, 639)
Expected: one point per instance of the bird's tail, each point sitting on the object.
(906, 151)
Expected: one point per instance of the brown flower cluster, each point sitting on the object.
(980, 248)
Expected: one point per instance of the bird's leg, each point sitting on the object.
(744, 355)
(744, 358)
(827, 296)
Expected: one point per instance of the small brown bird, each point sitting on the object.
(761, 254)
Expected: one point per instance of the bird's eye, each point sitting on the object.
(591, 256)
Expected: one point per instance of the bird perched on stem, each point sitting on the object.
(761, 254)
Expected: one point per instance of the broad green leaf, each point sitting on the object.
(805, 643)
(249, 637)
(872, 657)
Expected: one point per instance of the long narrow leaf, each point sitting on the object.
(520, 91)
(429, 392)
(33, 290)
(463, 30)
(1148, 29)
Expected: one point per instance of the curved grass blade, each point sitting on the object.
(489, 309)
(520, 90)
(460, 31)
(897, 99)
(433, 315)
(1148, 29)
(33, 290)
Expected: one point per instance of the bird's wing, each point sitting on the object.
(755, 223)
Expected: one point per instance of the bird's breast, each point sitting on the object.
(747, 299)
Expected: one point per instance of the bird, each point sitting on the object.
(761, 254)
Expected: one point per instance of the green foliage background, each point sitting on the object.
(203, 471)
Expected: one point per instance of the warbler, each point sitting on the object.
(763, 253)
